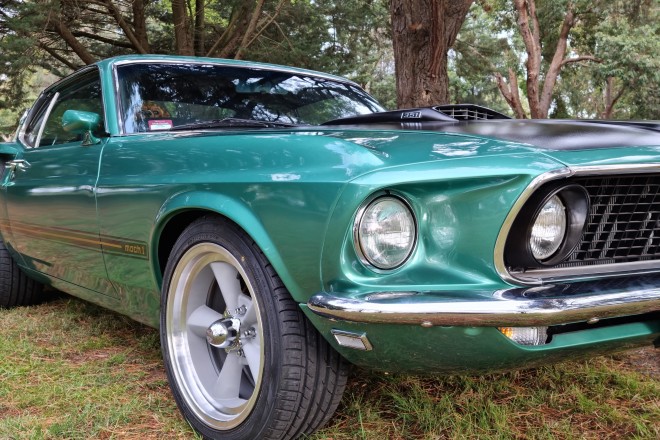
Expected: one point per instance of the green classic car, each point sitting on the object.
(275, 223)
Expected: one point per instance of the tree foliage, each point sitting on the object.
(540, 58)
(566, 58)
(59, 36)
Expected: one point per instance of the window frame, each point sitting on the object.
(48, 98)
(255, 67)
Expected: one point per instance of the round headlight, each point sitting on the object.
(385, 233)
(549, 229)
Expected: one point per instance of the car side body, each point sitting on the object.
(99, 217)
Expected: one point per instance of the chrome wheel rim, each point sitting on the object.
(209, 296)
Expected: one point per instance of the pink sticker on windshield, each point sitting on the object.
(160, 124)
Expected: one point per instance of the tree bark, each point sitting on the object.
(252, 26)
(557, 62)
(63, 31)
(227, 45)
(128, 31)
(510, 93)
(200, 44)
(140, 24)
(53, 53)
(611, 98)
(182, 28)
(530, 36)
(422, 33)
(539, 97)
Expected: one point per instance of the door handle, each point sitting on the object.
(20, 164)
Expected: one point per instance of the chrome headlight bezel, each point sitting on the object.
(518, 252)
(363, 254)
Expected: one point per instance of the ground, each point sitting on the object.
(71, 370)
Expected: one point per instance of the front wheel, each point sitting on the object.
(242, 360)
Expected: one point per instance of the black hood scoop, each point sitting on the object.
(439, 113)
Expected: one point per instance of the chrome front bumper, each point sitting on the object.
(526, 307)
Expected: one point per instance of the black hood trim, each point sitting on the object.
(547, 134)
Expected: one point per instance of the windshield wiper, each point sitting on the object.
(232, 122)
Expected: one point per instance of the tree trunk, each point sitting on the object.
(182, 28)
(557, 62)
(422, 33)
(227, 45)
(123, 24)
(200, 46)
(539, 96)
(140, 25)
(611, 98)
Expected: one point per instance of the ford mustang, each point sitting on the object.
(277, 224)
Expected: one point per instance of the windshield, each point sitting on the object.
(157, 97)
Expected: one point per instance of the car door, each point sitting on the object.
(50, 192)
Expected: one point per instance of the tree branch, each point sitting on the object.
(128, 31)
(70, 39)
(557, 61)
(266, 21)
(581, 58)
(229, 38)
(58, 57)
(250, 29)
(610, 101)
(97, 37)
(533, 49)
(510, 93)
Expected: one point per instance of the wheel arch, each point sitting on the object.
(178, 212)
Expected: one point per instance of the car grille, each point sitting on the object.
(624, 221)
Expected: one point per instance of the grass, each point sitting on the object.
(71, 370)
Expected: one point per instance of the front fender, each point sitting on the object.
(233, 209)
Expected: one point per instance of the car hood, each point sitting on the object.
(544, 134)
(567, 141)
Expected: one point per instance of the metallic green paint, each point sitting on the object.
(295, 192)
(82, 123)
(57, 191)
(8, 149)
(468, 350)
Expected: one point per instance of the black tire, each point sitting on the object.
(16, 289)
(297, 382)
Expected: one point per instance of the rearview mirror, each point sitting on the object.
(84, 123)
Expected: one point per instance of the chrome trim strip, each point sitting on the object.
(256, 66)
(118, 109)
(46, 116)
(621, 268)
(581, 272)
(219, 62)
(504, 309)
(500, 267)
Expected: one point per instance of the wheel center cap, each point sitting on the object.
(223, 332)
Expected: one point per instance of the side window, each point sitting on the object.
(83, 95)
(31, 132)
